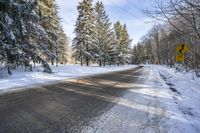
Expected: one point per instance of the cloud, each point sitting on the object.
(138, 27)
(68, 14)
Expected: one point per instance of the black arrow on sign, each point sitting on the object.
(182, 48)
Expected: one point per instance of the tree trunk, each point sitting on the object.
(56, 62)
(104, 63)
(158, 52)
(34, 63)
(81, 62)
(57, 59)
(87, 61)
(9, 72)
(100, 63)
(52, 61)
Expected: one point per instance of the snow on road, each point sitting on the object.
(185, 91)
(20, 79)
(161, 101)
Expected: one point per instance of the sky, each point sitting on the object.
(126, 11)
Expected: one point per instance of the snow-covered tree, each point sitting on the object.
(84, 31)
(30, 32)
(63, 53)
(50, 23)
(126, 46)
(104, 36)
(118, 31)
(123, 42)
(57, 42)
(23, 39)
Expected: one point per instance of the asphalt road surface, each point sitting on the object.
(63, 107)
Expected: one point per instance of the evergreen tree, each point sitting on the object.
(57, 42)
(104, 35)
(118, 35)
(30, 33)
(63, 48)
(22, 38)
(62, 44)
(125, 48)
(112, 51)
(48, 12)
(122, 43)
(84, 31)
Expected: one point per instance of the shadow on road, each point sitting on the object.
(66, 106)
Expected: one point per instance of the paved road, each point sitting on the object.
(63, 107)
(142, 109)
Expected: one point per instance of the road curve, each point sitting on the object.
(63, 107)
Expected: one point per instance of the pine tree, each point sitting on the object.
(62, 44)
(84, 31)
(48, 12)
(63, 47)
(118, 31)
(125, 48)
(7, 38)
(113, 54)
(104, 36)
(22, 36)
(57, 42)
(30, 31)
(122, 43)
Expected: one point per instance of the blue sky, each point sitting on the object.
(126, 11)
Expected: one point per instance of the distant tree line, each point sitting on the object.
(97, 40)
(180, 24)
(30, 33)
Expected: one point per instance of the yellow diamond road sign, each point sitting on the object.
(180, 58)
(182, 48)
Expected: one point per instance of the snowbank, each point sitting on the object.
(185, 91)
(162, 100)
(20, 79)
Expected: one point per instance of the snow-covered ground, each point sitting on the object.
(20, 79)
(161, 101)
(184, 88)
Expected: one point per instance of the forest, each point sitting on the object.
(31, 33)
(97, 40)
(179, 23)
